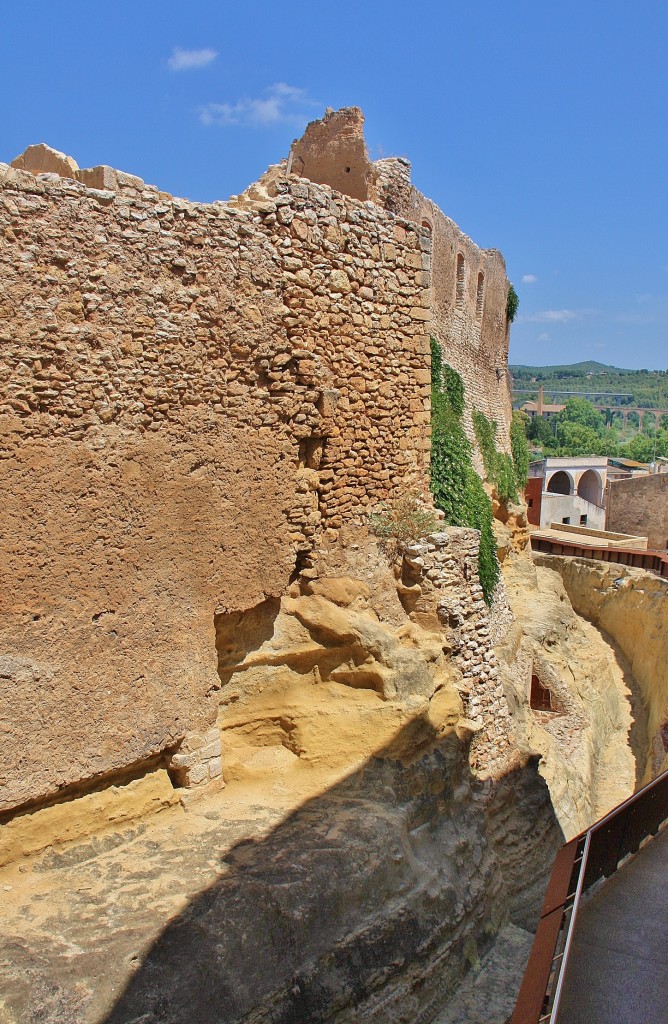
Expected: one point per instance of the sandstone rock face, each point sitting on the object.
(98, 812)
(364, 902)
(631, 607)
(308, 682)
(587, 756)
(353, 868)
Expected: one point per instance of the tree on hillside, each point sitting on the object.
(583, 413)
(581, 430)
(579, 439)
(640, 448)
(644, 447)
(539, 429)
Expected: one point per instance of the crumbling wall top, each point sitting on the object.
(332, 151)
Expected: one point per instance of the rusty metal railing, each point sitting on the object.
(592, 855)
(654, 561)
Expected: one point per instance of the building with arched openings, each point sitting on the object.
(568, 490)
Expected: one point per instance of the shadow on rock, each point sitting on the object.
(368, 903)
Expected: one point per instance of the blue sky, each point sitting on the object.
(539, 127)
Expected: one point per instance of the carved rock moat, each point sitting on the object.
(258, 765)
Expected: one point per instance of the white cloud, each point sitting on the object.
(186, 60)
(551, 316)
(544, 336)
(529, 278)
(637, 319)
(280, 104)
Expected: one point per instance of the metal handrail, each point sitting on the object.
(601, 849)
(571, 928)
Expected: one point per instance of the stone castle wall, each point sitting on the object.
(194, 401)
(190, 396)
(467, 308)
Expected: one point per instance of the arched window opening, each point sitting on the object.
(559, 483)
(461, 275)
(590, 487)
(480, 296)
(427, 225)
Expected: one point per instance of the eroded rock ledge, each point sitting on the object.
(630, 606)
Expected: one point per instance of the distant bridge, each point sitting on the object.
(622, 410)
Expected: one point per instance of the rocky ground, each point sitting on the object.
(488, 993)
(354, 868)
(368, 902)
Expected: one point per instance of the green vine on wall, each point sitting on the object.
(499, 468)
(520, 447)
(457, 489)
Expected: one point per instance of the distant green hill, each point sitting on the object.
(647, 389)
(588, 366)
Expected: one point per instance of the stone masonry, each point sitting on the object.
(192, 398)
(439, 586)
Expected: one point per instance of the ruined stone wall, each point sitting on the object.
(468, 285)
(639, 506)
(468, 302)
(190, 396)
(440, 588)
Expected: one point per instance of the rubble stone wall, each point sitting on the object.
(440, 588)
(468, 302)
(467, 308)
(189, 396)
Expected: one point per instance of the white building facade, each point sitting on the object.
(573, 490)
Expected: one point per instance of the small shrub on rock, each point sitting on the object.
(402, 521)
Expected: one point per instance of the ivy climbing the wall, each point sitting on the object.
(457, 489)
(499, 468)
(508, 475)
(520, 448)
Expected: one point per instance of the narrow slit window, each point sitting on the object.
(461, 275)
(541, 697)
(480, 296)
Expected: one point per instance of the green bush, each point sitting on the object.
(512, 304)
(401, 521)
(457, 489)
